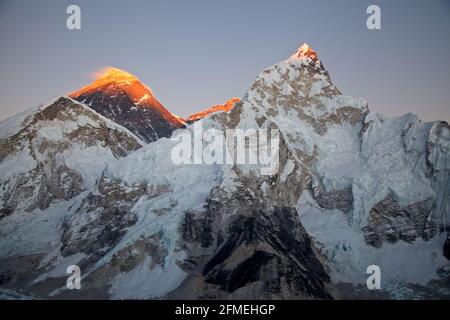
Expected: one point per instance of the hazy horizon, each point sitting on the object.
(201, 53)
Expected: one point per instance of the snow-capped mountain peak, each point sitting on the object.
(305, 52)
(113, 81)
(123, 98)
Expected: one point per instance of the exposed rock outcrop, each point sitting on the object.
(391, 222)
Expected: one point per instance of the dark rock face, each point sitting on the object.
(334, 199)
(256, 253)
(446, 250)
(248, 271)
(390, 222)
(276, 244)
(147, 122)
(4, 212)
(15, 270)
(197, 228)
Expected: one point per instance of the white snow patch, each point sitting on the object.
(144, 283)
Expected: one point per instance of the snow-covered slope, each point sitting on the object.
(352, 189)
(50, 156)
(369, 189)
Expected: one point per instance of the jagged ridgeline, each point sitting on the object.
(80, 186)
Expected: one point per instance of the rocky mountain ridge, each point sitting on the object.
(353, 189)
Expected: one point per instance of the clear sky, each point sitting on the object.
(197, 53)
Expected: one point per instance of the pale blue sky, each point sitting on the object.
(197, 53)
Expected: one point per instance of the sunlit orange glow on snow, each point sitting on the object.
(221, 107)
(112, 81)
(304, 52)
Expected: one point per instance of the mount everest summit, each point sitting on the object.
(121, 97)
(88, 180)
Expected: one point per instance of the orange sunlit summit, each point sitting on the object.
(112, 80)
